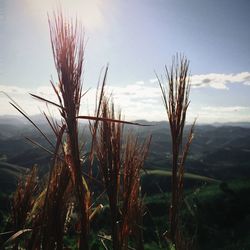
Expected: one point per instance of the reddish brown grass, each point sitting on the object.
(176, 101)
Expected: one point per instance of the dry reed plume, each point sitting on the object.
(120, 164)
(66, 169)
(176, 101)
(46, 215)
(120, 158)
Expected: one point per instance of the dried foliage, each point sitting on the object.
(68, 50)
(48, 212)
(57, 207)
(43, 215)
(120, 163)
(108, 149)
(132, 205)
(23, 202)
(46, 207)
(23, 199)
(176, 101)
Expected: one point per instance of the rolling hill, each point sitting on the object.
(217, 152)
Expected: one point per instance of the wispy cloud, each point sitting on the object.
(220, 81)
(20, 95)
(153, 80)
(225, 109)
(140, 100)
(140, 83)
(137, 101)
(13, 90)
(210, 114)
(217, 81)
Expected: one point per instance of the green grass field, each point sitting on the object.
(167, 173)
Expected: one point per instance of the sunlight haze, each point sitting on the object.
(137, 39)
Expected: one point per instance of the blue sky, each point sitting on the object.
(136, 38)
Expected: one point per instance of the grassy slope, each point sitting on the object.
(219, 212)
(223, 215)
(154, 181)
(9, 175)
(187, 175)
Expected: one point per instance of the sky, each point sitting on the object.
(138, 38)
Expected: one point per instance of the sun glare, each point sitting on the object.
(88, 11)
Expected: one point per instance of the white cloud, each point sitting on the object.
(136, 101)
(13, 89)
(154, 80)
(20, 95)
(225, 109)
(140, 82)
(210, 114)
(45, 91)
(217, 81)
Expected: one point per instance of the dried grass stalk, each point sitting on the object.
(120, 163)
(49, 211)
(68, 50)
(176, 101)
(23, 202)
(108, 149)
(132, 207)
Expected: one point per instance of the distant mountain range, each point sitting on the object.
(40, 119)
(220, 151)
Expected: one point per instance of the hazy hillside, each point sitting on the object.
(9, 176)
(221, 152)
